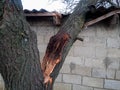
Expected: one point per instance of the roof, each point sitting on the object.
(44, 13)
(109, 14)
(92, 17)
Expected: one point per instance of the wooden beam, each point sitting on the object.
(56, 16)
(100, 18)
(39, 14)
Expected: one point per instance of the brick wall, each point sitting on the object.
(93, 64)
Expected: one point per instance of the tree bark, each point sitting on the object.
(60, 44)
(19, 56)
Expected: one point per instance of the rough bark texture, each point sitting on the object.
(59, 47)
(53, 55)
(19, 56)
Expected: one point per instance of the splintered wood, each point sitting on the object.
(53, 54)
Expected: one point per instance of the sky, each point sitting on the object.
(49, 5)
(44, 4)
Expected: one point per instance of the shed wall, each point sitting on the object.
(93, 64)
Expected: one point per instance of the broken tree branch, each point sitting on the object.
(53, 54)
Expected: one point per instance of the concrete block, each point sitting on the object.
(102, 89)
(78, 43)
(112, 84)
(48, 34)
(82, 70)
(42, 54)
(101, 52)
(111, 62)
(89, 41)
(111, 73)
(65, 68)
(70, 53)
(100, 42)
(62, 86)
(94, 42)
(47, 38)
(84, 51)
(94, 62)
(1, 85)
(118, 75)
(113, 32)
(113, 43)
(101, 31)
(40, 30)
(89, 32)
(42, 48)
(97, 72)
(75, 60)
(1, 79)
(40, 40)
(93, 82)
(59, 78)
(112, 52)
(103, 73)
(79, 87)
(74, 79)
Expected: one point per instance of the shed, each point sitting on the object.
(93, 64)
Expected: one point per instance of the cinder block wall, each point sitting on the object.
(93, 64)
(1, 83)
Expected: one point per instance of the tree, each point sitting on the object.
(19, 57)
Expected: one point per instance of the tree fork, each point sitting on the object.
(19, 56)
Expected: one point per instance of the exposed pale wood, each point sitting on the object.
(101, 18)
(53, 55)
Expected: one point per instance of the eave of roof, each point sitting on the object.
(101, 18)
(57, 17)
(40, 14)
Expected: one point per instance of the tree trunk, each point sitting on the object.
(19, 56)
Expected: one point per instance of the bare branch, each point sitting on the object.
(79, 38)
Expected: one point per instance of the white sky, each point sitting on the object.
(57, 5)
(45, 4)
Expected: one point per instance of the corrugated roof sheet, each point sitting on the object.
(92, 16)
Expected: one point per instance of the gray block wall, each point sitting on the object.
(1, 83)
(93, 64)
